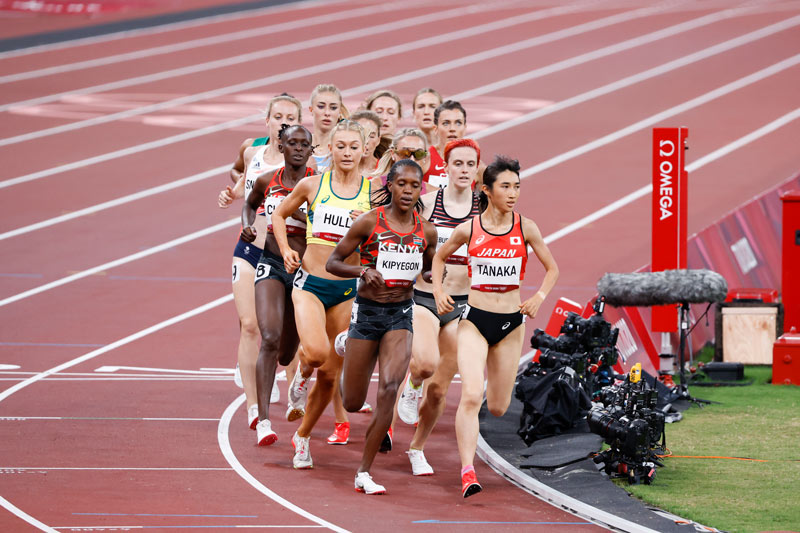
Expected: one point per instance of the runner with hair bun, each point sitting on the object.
(434, 355)
(396, 244)
(326, 109)
(423, 106)
(491, 329)
(322, 301)
(273, 285)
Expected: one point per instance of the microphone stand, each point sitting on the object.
(683, 387)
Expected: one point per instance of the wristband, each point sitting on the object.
(363, 271)
(543, 295)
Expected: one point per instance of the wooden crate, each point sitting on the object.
(745, 333)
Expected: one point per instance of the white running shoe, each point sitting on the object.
(237, 377)
(408, 406)
(275, 396)
(339, 343)
(252, 416)
(419, 466)
(294, 413)
(366, 408)
(365, 484)
(302, 454)
(298, 390)
(264, 433)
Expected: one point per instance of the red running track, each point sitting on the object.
(572, 90)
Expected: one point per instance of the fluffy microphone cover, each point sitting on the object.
(662, 288)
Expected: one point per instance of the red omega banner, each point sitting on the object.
(669, 214)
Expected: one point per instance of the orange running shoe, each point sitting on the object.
(469, 484)
(341, 433)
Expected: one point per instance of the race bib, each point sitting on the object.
(495, 274)
(330, 223)
(438, 180)
(459, 257)
(293, 226)
(398, 269)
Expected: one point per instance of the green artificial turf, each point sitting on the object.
(760, 421)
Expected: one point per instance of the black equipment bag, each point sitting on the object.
(552, 403)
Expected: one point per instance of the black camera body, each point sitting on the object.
(627, 418)
(587, 345)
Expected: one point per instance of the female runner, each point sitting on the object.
(371, 122)
(321, 300)
(388, 106)
(434, 346)
(407, 143)
(273, 285)
(491, 329)
(424, 105)
(282, 109)
(326, 110)
(396, 244)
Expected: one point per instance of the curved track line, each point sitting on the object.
(91, 355)
(197, 43)
(227, 452)
(162, 28)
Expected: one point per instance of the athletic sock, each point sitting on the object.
(468, 468)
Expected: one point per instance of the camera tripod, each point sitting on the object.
(682, 389)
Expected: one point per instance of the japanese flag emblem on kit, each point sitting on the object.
(515, 240)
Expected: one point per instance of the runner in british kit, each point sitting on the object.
(321, 300)
(273, 285)
(434, 345)
(263, 156)
(491, 330)
(451, 124)
(396, 244)
(388, 106)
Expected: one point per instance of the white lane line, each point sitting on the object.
(176, 184)
(194, 44)
(19, 513)
(227, 452)
(296, 46)
(284, 76)
(164, 28)
(189, 527)
(200, 468)
(571, 154)
(558, 106)
(641, 76)
(117, 262)
(728, 88)
(116, 344)
(402, 78)
(647, 189)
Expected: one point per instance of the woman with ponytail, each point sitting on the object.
(491, 329)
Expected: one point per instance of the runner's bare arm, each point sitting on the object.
(251, 205)
(303, 192)
(237, 170)
(534, 238)
(459, 237)
(431, 239)
(358, 233)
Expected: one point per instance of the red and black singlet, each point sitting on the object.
(436, 175)
(497, 262)
(445, 224)
(397, 256)
(274, 195)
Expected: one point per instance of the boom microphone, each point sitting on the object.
(662, 288)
